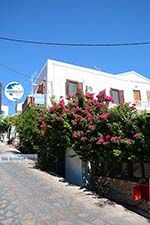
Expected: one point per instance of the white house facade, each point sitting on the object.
(61, 79)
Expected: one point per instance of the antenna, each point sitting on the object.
(98, 68)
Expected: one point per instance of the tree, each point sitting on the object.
(4, 125)
(26, 125)
(124, 125)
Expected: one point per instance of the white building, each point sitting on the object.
(5, 110)
(19, 108)
(62, 79)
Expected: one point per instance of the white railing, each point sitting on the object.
(142, 104)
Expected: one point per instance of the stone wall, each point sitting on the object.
(122, 191)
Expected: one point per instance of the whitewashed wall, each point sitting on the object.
(137, 82)
(42, 76)
(59, 72)
(56, 73)
(73, 168)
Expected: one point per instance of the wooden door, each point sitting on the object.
(137, 96)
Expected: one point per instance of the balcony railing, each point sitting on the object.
(142, 104)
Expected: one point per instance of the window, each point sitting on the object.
(115, 95)
(41, 88)
(148, 96)
(137, 96)
(73, 87)
(118, 96)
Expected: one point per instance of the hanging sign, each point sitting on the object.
(14, 91)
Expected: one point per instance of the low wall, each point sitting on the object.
(122, 191)
(73, 168)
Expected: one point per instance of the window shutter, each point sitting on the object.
(80, 87)
(121, 97)
(67, 88)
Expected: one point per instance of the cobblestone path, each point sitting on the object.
(31, 197)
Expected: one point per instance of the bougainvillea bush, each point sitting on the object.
(53, 125)
(96, 132)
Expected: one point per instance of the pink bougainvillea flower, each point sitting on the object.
(70, 97)
(89, 96)
(78, 109)
(90, 118)
(136, 135)
(81, 133)
(109, 98)
(115, 139)
(91, 127)
(107, 138)
(66, 110)
(128, 140)
(77, 116)
(43, 125)
(100, 141)
(53, 108)
(74, 135)
(100, 94)
(99, 104)
(88, 108)
(62, 103)
(104, 116)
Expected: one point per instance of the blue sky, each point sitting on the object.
(96, 21)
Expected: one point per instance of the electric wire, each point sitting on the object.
(74, 44)
(15, 71)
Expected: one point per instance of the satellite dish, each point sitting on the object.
(14, 91)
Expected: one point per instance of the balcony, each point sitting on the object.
(142, 105)
(139, 105)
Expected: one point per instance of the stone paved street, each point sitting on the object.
(32, 197)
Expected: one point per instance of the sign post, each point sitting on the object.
(14, 91)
